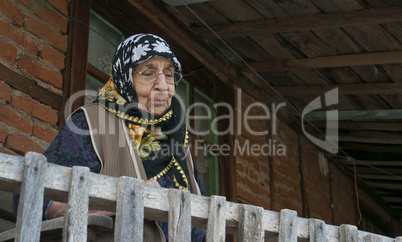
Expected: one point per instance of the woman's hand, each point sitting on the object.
(58, 209)
(100, 212)
(152, 182)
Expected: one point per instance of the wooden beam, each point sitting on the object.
(376, 137)
(363, 126)
(356, 149)
(399, 208)
(303, 23)
(26, 85)
(344, 89)
(379, 177)
(355, 115)
(375, 163)
(397, 171)
(95, 72)
(389, 185)
(371, 140)
(76, 59)
(377, 58)
(393, 199)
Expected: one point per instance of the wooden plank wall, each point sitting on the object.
(180, 208)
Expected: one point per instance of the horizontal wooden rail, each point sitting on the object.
(251, 223)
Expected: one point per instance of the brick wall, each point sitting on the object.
(33, 37)
(317, 181)
(252, 170)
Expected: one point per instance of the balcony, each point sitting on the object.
(132, 200)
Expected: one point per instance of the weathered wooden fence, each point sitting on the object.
(133, 201)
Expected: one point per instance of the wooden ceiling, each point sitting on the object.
(303, 48)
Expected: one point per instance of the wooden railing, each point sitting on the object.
(133, 201)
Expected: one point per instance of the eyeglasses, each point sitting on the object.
(151, 75)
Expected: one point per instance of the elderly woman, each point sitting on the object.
(136, 127)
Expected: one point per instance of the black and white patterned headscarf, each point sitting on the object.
(132, 52)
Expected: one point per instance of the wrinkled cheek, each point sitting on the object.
(143, 103)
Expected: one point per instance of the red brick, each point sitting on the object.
(21, 143)
(264, 179)
(26, 3)
(245, 194)
(53, 56)
(35, 68)
(292, 205)
(264, 169)
(44, 133)
(45, 114)
(257, 109)
(264, 191)
(256, 127)
(246, 99)
(281, 189)
(252, 161)
(7, 151)
(250, 183)
(262, 202)
(239, 177)
(8, 52)
(15, 35)
(50, 16)
(285, 170)
(23, 103)
(5, 91)
(319, 187)
(42, 30)
(259, 139)
(277, 200)
(3, 134)
(35, 109)
(240, 167)
(11, 11)
(14, 119)
(60, 5)
(293, 196)
(243, 151)
(251, 173)
(291, 183)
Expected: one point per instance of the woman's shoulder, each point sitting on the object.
(78, 120)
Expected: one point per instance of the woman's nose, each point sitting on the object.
(161, 83)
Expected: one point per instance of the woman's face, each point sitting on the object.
(154, 97)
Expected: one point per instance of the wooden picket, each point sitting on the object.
(76, 216)
(133, 201)
(32, 189)
(316, 230)
(179, 215)
(129, 210)
(216, 228)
